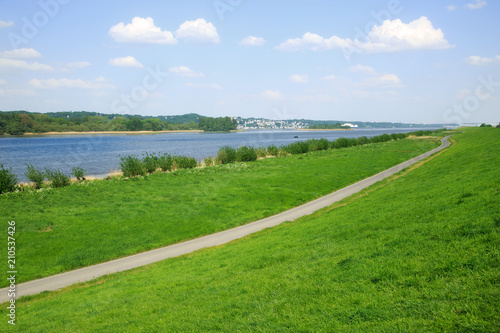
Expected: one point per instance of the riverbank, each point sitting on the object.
(205, 200)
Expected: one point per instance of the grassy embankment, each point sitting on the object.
(65, 228)
(416, 254)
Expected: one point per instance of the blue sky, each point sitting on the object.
(392, 60)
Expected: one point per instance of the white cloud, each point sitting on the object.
(3, 81)
(20, 54)
(185, 71)
(198, 31)
(78, 64)
(362, 69)
(213, 86)
(391, 36)
(476, 4)
(477, 61)
(388, 79)
(313, 42)
(451, 7)
(252, 41)
(21, 64)
(99, 83)
(126, 62)
(141, 30)
(17, 92)
(6, 24)
(329, 77)
(461, 94)
(272, 94)
(299, 78)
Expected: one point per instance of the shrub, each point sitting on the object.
(150, 163)
(34, 175)
(8, 180)
(363, 140)
(57, 178)
(398, 136)
(300, 147)
(165, 162)
(273, 150)
(226, 155)
(321, 144)
(261, 152)
(131, 166)
(343, 143)
(246, 154)
(183, 162)
(79, 173)
(208, 161)
(381, 138)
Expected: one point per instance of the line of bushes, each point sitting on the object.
(246, 154)
(133, 166)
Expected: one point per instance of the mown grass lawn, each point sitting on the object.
(419, 253)
(66, 228)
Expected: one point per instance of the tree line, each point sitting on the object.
(221, 124)
(20, 122)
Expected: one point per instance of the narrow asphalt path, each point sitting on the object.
(89, 273)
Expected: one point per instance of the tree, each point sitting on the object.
(134, 124)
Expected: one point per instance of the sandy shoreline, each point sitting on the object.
(327, 129)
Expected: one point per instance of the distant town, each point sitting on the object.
(263, 123)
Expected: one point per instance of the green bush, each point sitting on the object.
(261, 152)
(344, 143)
(300, 147)
(183, 162)
(398, 136)
(132, 166)
(150, 163)
(321, 144)
(381, 138)
(79, 173)
(34, 175)
(8, 180)
(246, 154)
(273, 150)
(165, 162)
(226, 155)
(208, 161)
(363, 140)
(421, 133)
(57, 178)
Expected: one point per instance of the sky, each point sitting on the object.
(417, 61)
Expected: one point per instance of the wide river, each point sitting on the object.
(100, 154)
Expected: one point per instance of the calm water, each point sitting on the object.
(99, 154)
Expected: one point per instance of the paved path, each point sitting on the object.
(89, 273)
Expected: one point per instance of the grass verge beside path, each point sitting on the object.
(420, 254)
(66, 228)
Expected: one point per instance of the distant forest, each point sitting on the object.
(20, 122)
(222, 124)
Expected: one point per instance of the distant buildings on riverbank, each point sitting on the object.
(246, 124)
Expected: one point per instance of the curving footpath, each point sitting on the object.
(62, 280)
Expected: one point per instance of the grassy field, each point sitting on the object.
(66, 228)
(418, 253)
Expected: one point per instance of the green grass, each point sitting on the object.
(419, 253)
(91, 222)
